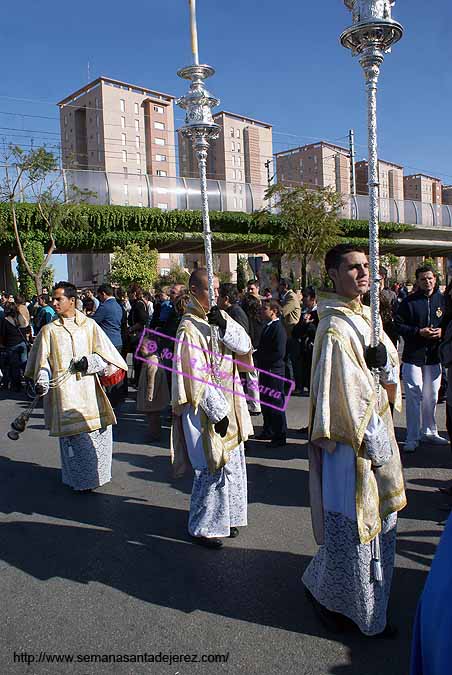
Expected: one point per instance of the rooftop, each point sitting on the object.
(243, 118)
(115, 83)
(326, 144)
(423, 175)
(364, 162)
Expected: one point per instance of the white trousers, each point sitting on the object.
(422, 385)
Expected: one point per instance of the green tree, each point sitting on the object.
(134, 263)
(308, 221)
(242, 272)
(177, 275)
(35, 176)
(34, 254)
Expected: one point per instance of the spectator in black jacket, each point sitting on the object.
(418, 321)
(228, 300)
(251, 305)
(270, 358)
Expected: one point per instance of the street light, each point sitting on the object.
(371, 36)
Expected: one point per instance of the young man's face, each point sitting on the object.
(352, 278)
(62, 305)
(201, 292)
(426, 282)
(253, 290)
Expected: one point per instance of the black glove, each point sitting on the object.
(376, 357)
(221, 427)
(40, 390)
(215, 318)
(80, 366)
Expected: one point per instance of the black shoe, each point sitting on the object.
(208, 542)
(278, 442)
(332, 621)
(389, 633)
(234, 532)
(264, 436)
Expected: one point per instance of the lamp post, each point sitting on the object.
(371, 36)
(200, 129)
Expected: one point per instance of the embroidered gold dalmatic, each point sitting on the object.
(343, 398)
(80, 404)
(194, 336)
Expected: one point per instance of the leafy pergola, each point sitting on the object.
(93, 228)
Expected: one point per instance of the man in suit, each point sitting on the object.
(270, 357)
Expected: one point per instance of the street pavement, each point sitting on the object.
(114, 572)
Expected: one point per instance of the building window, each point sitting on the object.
(65, 121)
(164, 271)
(238, 147)
(123, 122)
(232, 132)
(232, 146)
(237, 133)
(98, 138)
(138, 158)
(137, 125)
(96, 103)
(238, 161)
(136, 108)
(97, 120)
(140, 204)
(239, 175)
(160, 158)
(235, 202)
(140, 190)
(159, 109)
(126, 190)
(137, 141)
(66, 137)
(159, 141)
(98, 156)
(123, 139)
(122, 104)
(124, 155)
(159, 125)
(164, 207)
(160, 172)
(138, 171)
(125, 170)
(241, 203)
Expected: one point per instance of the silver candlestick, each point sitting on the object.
(200, 129)
(372, 34)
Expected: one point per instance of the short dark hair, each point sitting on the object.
(284, 282)
(105, 288)
(273, 304)
(334, 256)
(69, 289)
(425, 268)
(229, 291)
(383, 272)
(309, 291)
(19, 299)
(253, 282)
(45, 297)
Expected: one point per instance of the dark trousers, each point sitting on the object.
(275, 422)
(449, 422)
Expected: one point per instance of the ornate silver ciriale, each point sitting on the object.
(372, 34)
(200, 128)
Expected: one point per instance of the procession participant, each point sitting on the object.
(210, 425)
(356, 480)
(74, 349)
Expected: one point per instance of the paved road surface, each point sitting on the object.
(114, 572)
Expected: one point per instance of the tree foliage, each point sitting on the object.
(309, 221)
(177, 275)
(134, 263)
(242, 272)
(34, 253)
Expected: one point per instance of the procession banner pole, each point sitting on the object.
(370, 37)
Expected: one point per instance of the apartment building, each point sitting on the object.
(390, 178)
(126, 131)
(446, 197)
(423, 188)
(319, 164)
(237, 157)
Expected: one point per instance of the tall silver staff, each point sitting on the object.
(200, 128)
(370, 37)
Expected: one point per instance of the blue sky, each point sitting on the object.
(279, 62)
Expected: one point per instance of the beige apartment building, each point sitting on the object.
(319, 164)
(422, 188)
(390, 178)
(126, 131)
(237, 157)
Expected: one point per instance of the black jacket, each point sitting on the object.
(237, 313)
(415, 312)
(272, 347)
